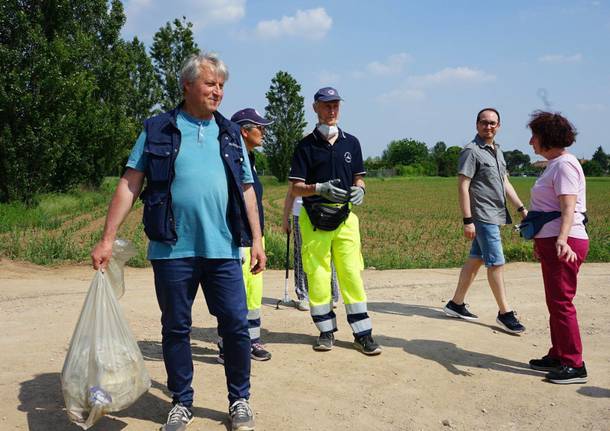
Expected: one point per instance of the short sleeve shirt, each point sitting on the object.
(200, 193)
(563, 175)
(315, 160)
(486, 169)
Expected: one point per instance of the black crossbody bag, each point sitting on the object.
(325, 217)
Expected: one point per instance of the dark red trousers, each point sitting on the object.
(560, 280)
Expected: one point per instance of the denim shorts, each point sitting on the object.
(487, 244)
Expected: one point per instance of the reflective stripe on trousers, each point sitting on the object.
(342, 246)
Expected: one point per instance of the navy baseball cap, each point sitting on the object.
(326, 94)
(250, 116)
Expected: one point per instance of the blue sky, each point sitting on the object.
(409, 69)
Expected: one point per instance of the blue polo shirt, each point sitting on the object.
(200, 193)
(315, 160)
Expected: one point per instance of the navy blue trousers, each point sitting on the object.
(176, 284)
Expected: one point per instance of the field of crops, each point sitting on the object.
(405, 223)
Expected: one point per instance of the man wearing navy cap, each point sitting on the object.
(252, 127)
(327, 170)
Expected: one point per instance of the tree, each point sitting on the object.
(448, 163)
(405, 152)
(172, 45)
(438, 150)
(63, 105)
(592, 168)
(285, 108)
(516, 161)
(602, 158)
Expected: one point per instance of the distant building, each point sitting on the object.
(540, 164)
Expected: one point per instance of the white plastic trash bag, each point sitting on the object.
(104, 370)
(122, 251)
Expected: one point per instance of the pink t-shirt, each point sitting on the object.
(563, 176)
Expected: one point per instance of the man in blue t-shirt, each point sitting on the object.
(199, 208)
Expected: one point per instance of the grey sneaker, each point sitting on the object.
(241, 416)
(259, 353)
(325, 341)
(178, 419)
(367, 345)
(302, 304)
(454, 310)
(509, 322)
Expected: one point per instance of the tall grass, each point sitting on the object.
(410, 222)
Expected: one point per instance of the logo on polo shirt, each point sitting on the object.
(347, 157)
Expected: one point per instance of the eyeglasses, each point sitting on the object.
(492, 124)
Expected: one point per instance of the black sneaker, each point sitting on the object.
(325, 342)
(258, 352)
(367, 345)
(566, 375)
(509, 322)
(178, 419)
(546, 363)
(241, 416)
(454, 310)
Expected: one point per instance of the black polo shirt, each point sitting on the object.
(315, 160)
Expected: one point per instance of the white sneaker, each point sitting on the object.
(302, 304)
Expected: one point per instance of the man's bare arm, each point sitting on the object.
(127, 191)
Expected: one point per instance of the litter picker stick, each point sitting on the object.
(286, 300)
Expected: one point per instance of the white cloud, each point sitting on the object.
(392, 66)
(326, 77)
(591, 107)
(310, 24)
(413, 89)
(144, 15)
(560, 58)
(402, 94)
(451, 75)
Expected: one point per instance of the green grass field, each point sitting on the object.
(405, 223)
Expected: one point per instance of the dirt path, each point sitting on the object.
(471, 376)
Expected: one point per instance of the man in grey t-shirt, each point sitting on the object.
(483, 188)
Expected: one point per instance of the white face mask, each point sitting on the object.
(328, 131)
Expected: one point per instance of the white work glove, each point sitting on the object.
(356, 195)
(329, 191)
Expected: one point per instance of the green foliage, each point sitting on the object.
(373, 163)
(592, 168)
(172, 45)
(405, 223)
(405, 152)
(602, 158)
(285, 108)
(67, 111)
(447, 163)
(516, 161)
(260, 160)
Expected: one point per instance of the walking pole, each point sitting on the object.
(286, 301)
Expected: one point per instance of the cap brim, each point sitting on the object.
(328, 99)
(255, 119)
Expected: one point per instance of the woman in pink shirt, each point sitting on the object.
(561, 245)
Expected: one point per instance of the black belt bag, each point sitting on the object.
(533, 222)
(325, 217)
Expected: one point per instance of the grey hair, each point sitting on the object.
(191, 68)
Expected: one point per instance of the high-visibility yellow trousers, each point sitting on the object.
(254, 296)
(343, 246)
